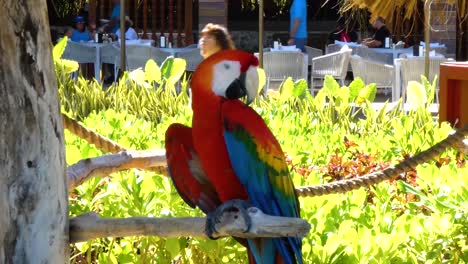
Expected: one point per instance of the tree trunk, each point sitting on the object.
(33, 196)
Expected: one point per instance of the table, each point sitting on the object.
(173, 51)
(97, 62)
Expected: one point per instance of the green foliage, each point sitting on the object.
(419, 218)
(63, 66)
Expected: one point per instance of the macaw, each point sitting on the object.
(229, 158)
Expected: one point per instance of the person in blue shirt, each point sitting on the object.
(114, 23)
(298, 24)
(79, 33)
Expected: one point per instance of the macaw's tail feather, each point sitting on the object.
(272, 251)
(278, 259)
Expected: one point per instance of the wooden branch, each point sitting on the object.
(90, 226)
(105, 165)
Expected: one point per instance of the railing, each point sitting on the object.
(171, 18)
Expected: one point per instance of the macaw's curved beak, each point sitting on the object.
(237, 89)
(245, 85)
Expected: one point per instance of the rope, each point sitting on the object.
(455, 140)
(100, 141)
(391, 172)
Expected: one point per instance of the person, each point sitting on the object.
(342, 33)
(298, 24)
(79, 33)
(214, 38)
(381, 33)
(130, 33)
(114, 22)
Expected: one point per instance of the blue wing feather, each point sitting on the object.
(265, 176)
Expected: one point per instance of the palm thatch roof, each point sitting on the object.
(399, 10)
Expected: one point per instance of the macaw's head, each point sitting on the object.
(231, 74)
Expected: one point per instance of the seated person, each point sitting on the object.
(79, 33)
(382, 32)
(130, 33)
(342, 33)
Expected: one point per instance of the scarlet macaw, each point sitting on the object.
(229, 155)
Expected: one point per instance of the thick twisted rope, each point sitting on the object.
(100, 141)
(455, 140)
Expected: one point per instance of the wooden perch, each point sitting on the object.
(107, 164)
(90, 226)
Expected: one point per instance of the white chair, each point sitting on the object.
(192, 57)
(279, 65)
(331, 48)
(413, 68)
(334, 64)
(137, 56)
(374, 72)
(111, 55)
(312, 53)
(159, 56)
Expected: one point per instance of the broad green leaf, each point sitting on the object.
(59, 48)
(343, 96)
(320, 99)
(416, 94)
(368, 93)
(172, 245)
(67, 66)
(355, 88)
(300, 89)
(152, 71)
(138, 76)
(286, 89)
(172, 69)
(330, 85)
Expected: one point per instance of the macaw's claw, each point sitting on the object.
(238, 207)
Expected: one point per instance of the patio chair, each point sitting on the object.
(312, 53)
(374, 72)
(332, 48)
(111, 55)
(137, 56)
(279, 65)
(192, 57)
(334, 64)
(413, 68)
(159, 56)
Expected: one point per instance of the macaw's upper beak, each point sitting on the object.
(237, 89)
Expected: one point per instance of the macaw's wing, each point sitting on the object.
(186, 171)
(260, 165)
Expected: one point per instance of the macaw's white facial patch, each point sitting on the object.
(224, 74)
(252, 82)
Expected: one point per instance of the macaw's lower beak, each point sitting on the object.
(237, 89)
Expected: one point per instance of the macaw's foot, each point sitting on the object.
(236, 207)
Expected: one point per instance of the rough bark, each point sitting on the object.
(91, 226)
(33, 196)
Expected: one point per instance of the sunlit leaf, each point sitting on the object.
(152, 71)
(416, 94)
(59, 48)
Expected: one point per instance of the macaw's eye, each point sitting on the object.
(227, 66)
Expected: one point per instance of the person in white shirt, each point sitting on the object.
(130, 33)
